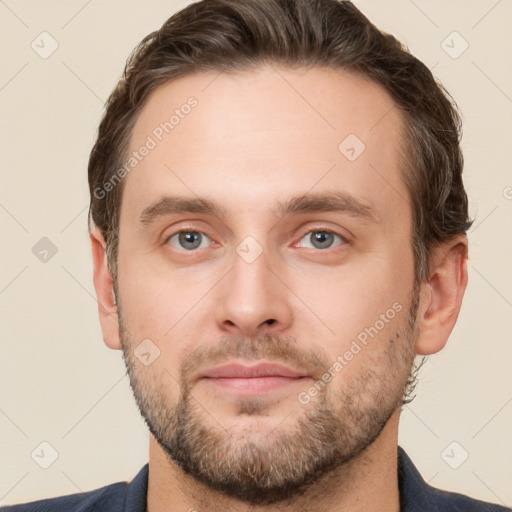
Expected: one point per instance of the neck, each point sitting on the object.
(368, 482)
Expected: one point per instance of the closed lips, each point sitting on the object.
(235, 371)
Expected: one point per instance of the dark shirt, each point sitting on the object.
(415, 496)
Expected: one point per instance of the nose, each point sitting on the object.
(253, 299)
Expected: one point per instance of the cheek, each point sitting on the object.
(355, 311)
(147, 300)
(160, 302)
(350, 297)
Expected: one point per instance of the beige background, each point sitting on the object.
(60, 384)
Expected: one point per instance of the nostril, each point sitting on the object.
(271, 321)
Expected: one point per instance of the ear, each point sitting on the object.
(441, 296)
(104, 286)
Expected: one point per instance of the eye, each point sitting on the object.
(189, 240)
(322, 238)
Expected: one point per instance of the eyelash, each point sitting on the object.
(316, 230)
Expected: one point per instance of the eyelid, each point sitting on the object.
(173, 230)
(342, 232)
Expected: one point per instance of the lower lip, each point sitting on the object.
(254, 384)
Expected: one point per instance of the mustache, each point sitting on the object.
(270, 347)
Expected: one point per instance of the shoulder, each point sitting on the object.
(453, 502)
(111, 496)
(417, 496)
(117, 497)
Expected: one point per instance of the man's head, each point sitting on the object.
(275, 181)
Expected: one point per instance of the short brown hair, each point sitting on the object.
(236, 35)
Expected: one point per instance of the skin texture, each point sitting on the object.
(255, 140)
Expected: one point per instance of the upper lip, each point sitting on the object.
(237, 370)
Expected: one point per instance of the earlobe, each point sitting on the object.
(441, 296)
(104, 285)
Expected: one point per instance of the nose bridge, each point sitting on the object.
(250, 276)
(253, 299)
(251, 267)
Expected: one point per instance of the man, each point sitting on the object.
(278, 227)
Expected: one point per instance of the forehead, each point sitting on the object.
(251, 137)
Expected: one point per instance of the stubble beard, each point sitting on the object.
(277, 466)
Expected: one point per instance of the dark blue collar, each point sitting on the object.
(415, 494)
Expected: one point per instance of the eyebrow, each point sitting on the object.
(306, 203)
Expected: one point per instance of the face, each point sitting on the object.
(257, 229)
